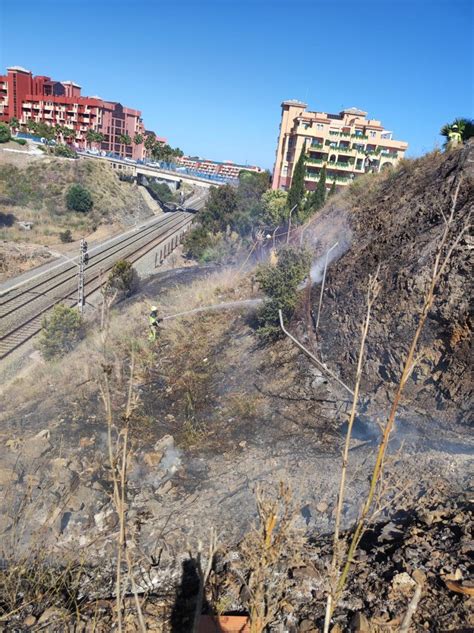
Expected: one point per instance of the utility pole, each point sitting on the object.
(83, 260)
(289, 223)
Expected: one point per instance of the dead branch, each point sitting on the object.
(372, 293)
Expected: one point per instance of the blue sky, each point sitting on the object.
(210, 75)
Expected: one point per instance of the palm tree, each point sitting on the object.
(465, 129)
(124, 139)
(92, 136)
(14, 123)
(137, 139)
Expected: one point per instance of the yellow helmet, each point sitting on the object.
(154, 308)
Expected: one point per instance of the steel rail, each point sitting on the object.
(42, 300)
(29, 327)
(65, 268)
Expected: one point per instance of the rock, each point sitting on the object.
(106, 518)
(165, 442)
(360, 623)
(166, 487)
(37, 446)
(30, 620)
(152, 459)
(307, 626)
(84, 442)
(419, 576)
(7, 476)
(322, 506)
(53, 613)
(403, 582)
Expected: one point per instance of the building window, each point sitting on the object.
(372, 134)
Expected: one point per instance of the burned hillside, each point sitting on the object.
(396, 223)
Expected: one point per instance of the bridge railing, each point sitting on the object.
(172, 167)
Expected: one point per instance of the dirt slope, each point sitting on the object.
(33, 189)
(396, 223)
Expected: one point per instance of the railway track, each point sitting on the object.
(23, 306)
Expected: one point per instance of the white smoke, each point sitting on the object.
(334, 251)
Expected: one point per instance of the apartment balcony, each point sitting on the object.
(343, 179)
(393, 155)
(315, 161)
(343, 150)
(361, 136)
(316, 146)
(341, 165)
(334, 133)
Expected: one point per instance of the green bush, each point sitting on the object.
(5, 134)
(64, 151)
(162, 190)
(123, 278)
(196, 241)
(66, 236)
(78, 198)
(20, 141)
(280, 283)
(60, 331)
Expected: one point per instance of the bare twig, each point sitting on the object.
(372, 293)
(321, 365)
(203, 576)
(412, 607)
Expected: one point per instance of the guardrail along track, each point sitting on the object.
(23, 307)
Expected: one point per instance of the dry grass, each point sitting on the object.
(269, 552)
(37, 191)
(73, 377)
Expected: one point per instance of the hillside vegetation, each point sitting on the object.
(34, 189)
(37, 191)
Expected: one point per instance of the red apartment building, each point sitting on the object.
(41, 99)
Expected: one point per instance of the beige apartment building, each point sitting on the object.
(348, 143)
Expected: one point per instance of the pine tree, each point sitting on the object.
(296, 191)
(319, 195)
(332, 191)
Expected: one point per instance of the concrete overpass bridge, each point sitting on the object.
(166, 175)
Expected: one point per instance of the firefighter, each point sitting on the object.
(153, 321)
(455, 137)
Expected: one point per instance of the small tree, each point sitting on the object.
(78, 198)
(32, 126)
(14, 123)
(280, 283)
(318, 197)
(196, 242)
(5, 134)
(64, 151)
(60, 332)
(275, 207)
(66, 236)
(332, 191)
(123, 278)
(297, 188)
